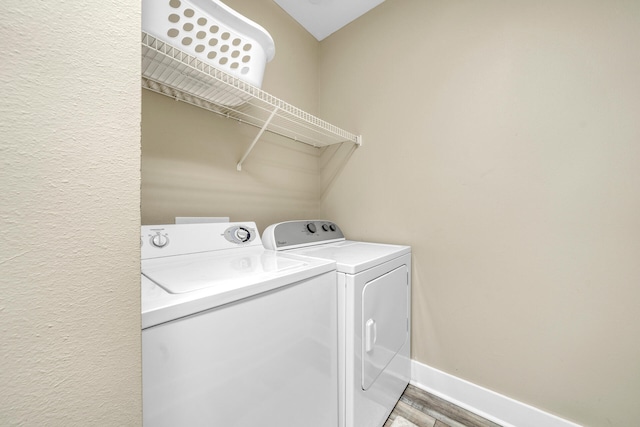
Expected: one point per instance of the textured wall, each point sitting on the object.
(69, 212)
(501, 142)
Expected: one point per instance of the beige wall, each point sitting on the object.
(69, 212)
(189, 155)
(501, 140)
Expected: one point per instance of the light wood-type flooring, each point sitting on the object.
(426, 410)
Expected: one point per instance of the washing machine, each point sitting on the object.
(374, 294)
(234, 334)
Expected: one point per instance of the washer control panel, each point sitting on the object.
(295, 234)
(179, 239)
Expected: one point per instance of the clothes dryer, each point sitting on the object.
(374, 294)
(233, 334)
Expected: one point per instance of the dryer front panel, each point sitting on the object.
(385, 322)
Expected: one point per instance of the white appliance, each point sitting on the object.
(374, 294)
(233, 334)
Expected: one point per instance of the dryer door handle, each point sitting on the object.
(371, 335)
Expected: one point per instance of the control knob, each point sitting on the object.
(159, 240)
(311, 227)
(242, 234)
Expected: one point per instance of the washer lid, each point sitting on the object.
(353, 257)
(188, 273)
(178, 286)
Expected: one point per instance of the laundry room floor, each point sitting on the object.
(421, 409)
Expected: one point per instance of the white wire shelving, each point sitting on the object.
(174, 73)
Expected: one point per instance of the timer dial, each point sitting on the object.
(242, 234)
(159, 240)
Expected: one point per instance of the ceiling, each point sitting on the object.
(324, 17)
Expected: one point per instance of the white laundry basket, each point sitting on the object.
(212, 32)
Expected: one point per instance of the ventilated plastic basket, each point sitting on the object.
(212, 32)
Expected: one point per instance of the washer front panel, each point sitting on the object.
(247, 364)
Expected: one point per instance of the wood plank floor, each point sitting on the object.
(426, 410)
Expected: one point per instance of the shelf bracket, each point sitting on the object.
(262, 129)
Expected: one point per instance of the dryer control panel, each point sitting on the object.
(297, 234)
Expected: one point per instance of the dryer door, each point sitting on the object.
(385, 317)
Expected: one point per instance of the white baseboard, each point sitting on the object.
(488, 404)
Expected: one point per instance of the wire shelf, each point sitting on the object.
(172, 72)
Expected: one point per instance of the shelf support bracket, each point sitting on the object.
(255, 140)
